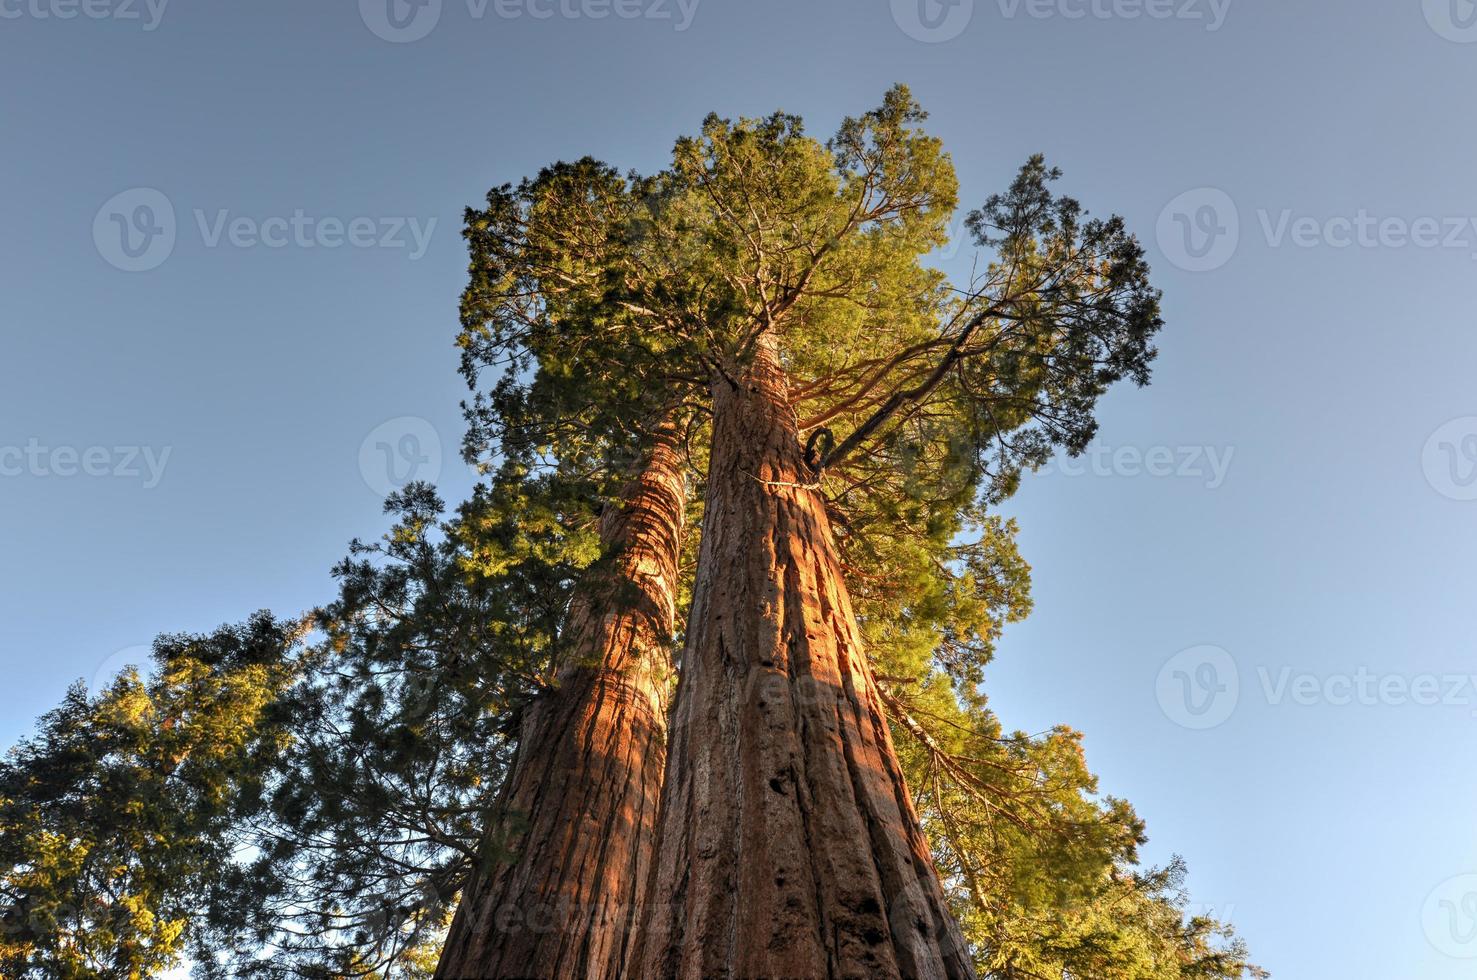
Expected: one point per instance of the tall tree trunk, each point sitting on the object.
(580, 806)
(788, 843)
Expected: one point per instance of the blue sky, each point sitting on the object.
(1254, 598)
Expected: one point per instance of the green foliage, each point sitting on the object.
(1042, 871)
(442, 633)
(598, 300)
(281, 808)
(280, 802)
(115, 819)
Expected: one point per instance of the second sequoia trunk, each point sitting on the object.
(581, 802)
(788, 843)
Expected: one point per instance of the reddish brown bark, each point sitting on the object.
(788, 843)
(583, 795)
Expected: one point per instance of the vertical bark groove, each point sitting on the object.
(581, 802)
(788, 844)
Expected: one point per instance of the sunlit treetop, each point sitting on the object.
(599, 302)
(607, 296)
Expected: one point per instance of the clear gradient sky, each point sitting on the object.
(1288, 502)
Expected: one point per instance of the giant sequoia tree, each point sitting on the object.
(780, 284)
(578, 810)
(115, 819)
(729, 412)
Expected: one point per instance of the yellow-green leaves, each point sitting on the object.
(115, 821)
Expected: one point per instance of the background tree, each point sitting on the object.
(115, 819)
(441, 638)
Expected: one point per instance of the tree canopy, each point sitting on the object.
(308, 798)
